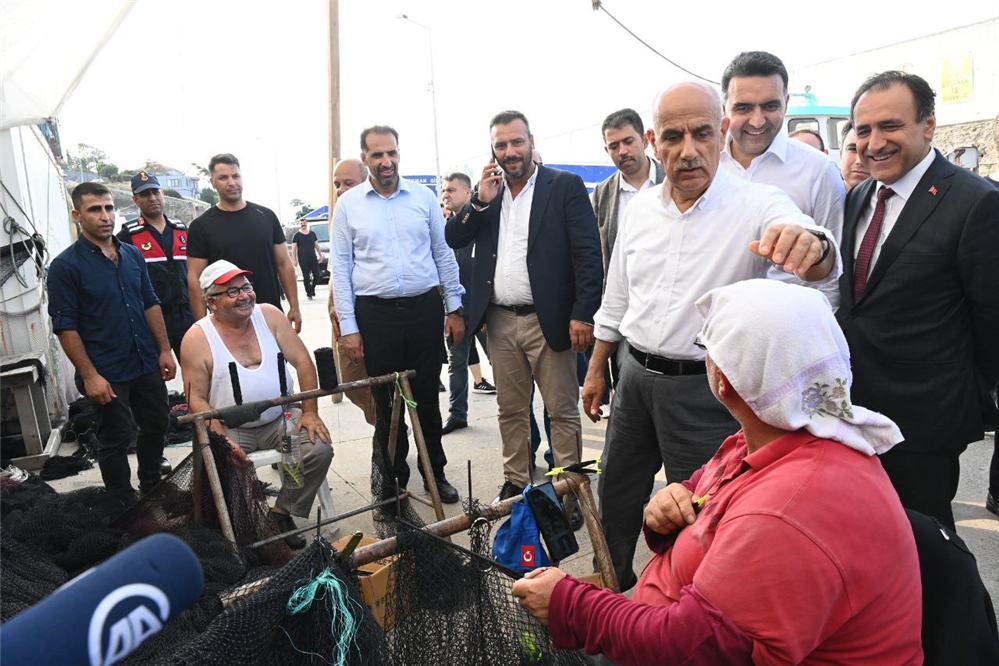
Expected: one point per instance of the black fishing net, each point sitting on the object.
(446, 607)
(170, 504)
(383, 487)
(308, 612)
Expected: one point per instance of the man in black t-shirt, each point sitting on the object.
(308, 254)
(244, 233)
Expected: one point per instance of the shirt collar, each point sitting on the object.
(651, 180)
(85, 243)
(777, 148)
(367, 187)
(778, 448)
(718, 184)
(906, 185)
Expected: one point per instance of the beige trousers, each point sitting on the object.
(518, 351)
(316, 459)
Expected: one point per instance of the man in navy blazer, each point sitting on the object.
(919, 291)
(536, 286)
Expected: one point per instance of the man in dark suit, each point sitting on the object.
(536, 284)
(920, 290)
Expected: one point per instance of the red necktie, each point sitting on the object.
(863, 264)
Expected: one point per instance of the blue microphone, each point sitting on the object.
(104, 614)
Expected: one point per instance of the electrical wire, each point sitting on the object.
(597, 4)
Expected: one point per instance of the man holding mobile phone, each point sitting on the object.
(536, 284)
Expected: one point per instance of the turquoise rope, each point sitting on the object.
(343, 624)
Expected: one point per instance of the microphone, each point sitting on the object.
(104, 614)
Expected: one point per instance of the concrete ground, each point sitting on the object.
(480, 444)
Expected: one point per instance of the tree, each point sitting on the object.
(170, 192)
(210, 196)
(201, 171)
(107, 171)
(304, 208)
(88, 159)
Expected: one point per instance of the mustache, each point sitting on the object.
(686, 165)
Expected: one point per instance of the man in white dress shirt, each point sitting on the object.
(758, 149)
(702, 229)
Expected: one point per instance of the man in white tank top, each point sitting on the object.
(238, 330)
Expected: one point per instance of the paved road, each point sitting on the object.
(480, 443)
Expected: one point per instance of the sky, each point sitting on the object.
(182, 80)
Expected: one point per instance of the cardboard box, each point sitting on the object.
(591, 578)
(374, 579)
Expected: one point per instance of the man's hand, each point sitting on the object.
(594, 387)
(168, 367)
(295, 317)
(489, 183)
(670, 509)
(99, 389)
(534, 591)
(335, 320)
(353, 347)
(454, 328)
(581, 335)
(789, 246)
(313, 425)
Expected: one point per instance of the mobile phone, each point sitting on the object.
(499, 169)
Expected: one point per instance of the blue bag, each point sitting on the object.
(517, 544)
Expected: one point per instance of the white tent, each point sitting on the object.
(45, 49)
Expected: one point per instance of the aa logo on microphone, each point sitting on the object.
(136, 612)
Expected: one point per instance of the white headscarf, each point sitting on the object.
(782, 350)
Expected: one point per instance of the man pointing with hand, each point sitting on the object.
(700, 230)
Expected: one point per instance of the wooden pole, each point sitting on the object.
(298, 397)
(421, 448)
(213, 482)
(567, 484)
(333, 74)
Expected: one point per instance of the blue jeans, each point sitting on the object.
(536, 433)
(457, 371)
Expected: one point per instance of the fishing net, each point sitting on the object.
(308, 612)
(170, 504)
(447, 607)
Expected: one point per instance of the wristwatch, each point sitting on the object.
(826, 245)
(479, 204)
(460, 312)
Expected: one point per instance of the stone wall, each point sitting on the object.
(979, 134)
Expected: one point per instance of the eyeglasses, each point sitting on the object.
(699, 343)
(233, 292)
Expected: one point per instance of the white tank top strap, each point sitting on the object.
(260, 383)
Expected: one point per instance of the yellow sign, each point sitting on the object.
(955, 79)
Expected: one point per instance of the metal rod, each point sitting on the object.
(214, 483)
(327, 521)
(305, 395)
(421, 448)
(469, 481)
(419, 499)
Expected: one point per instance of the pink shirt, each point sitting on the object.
(803, 545)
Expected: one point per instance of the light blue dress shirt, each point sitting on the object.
(390, 247)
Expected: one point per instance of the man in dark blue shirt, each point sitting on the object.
(109, 322)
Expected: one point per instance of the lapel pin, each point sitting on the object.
(933, 190)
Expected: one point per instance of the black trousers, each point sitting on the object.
(925, 482)
(405, 334)
(144, 399)
(310, 274)
(178, 320)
